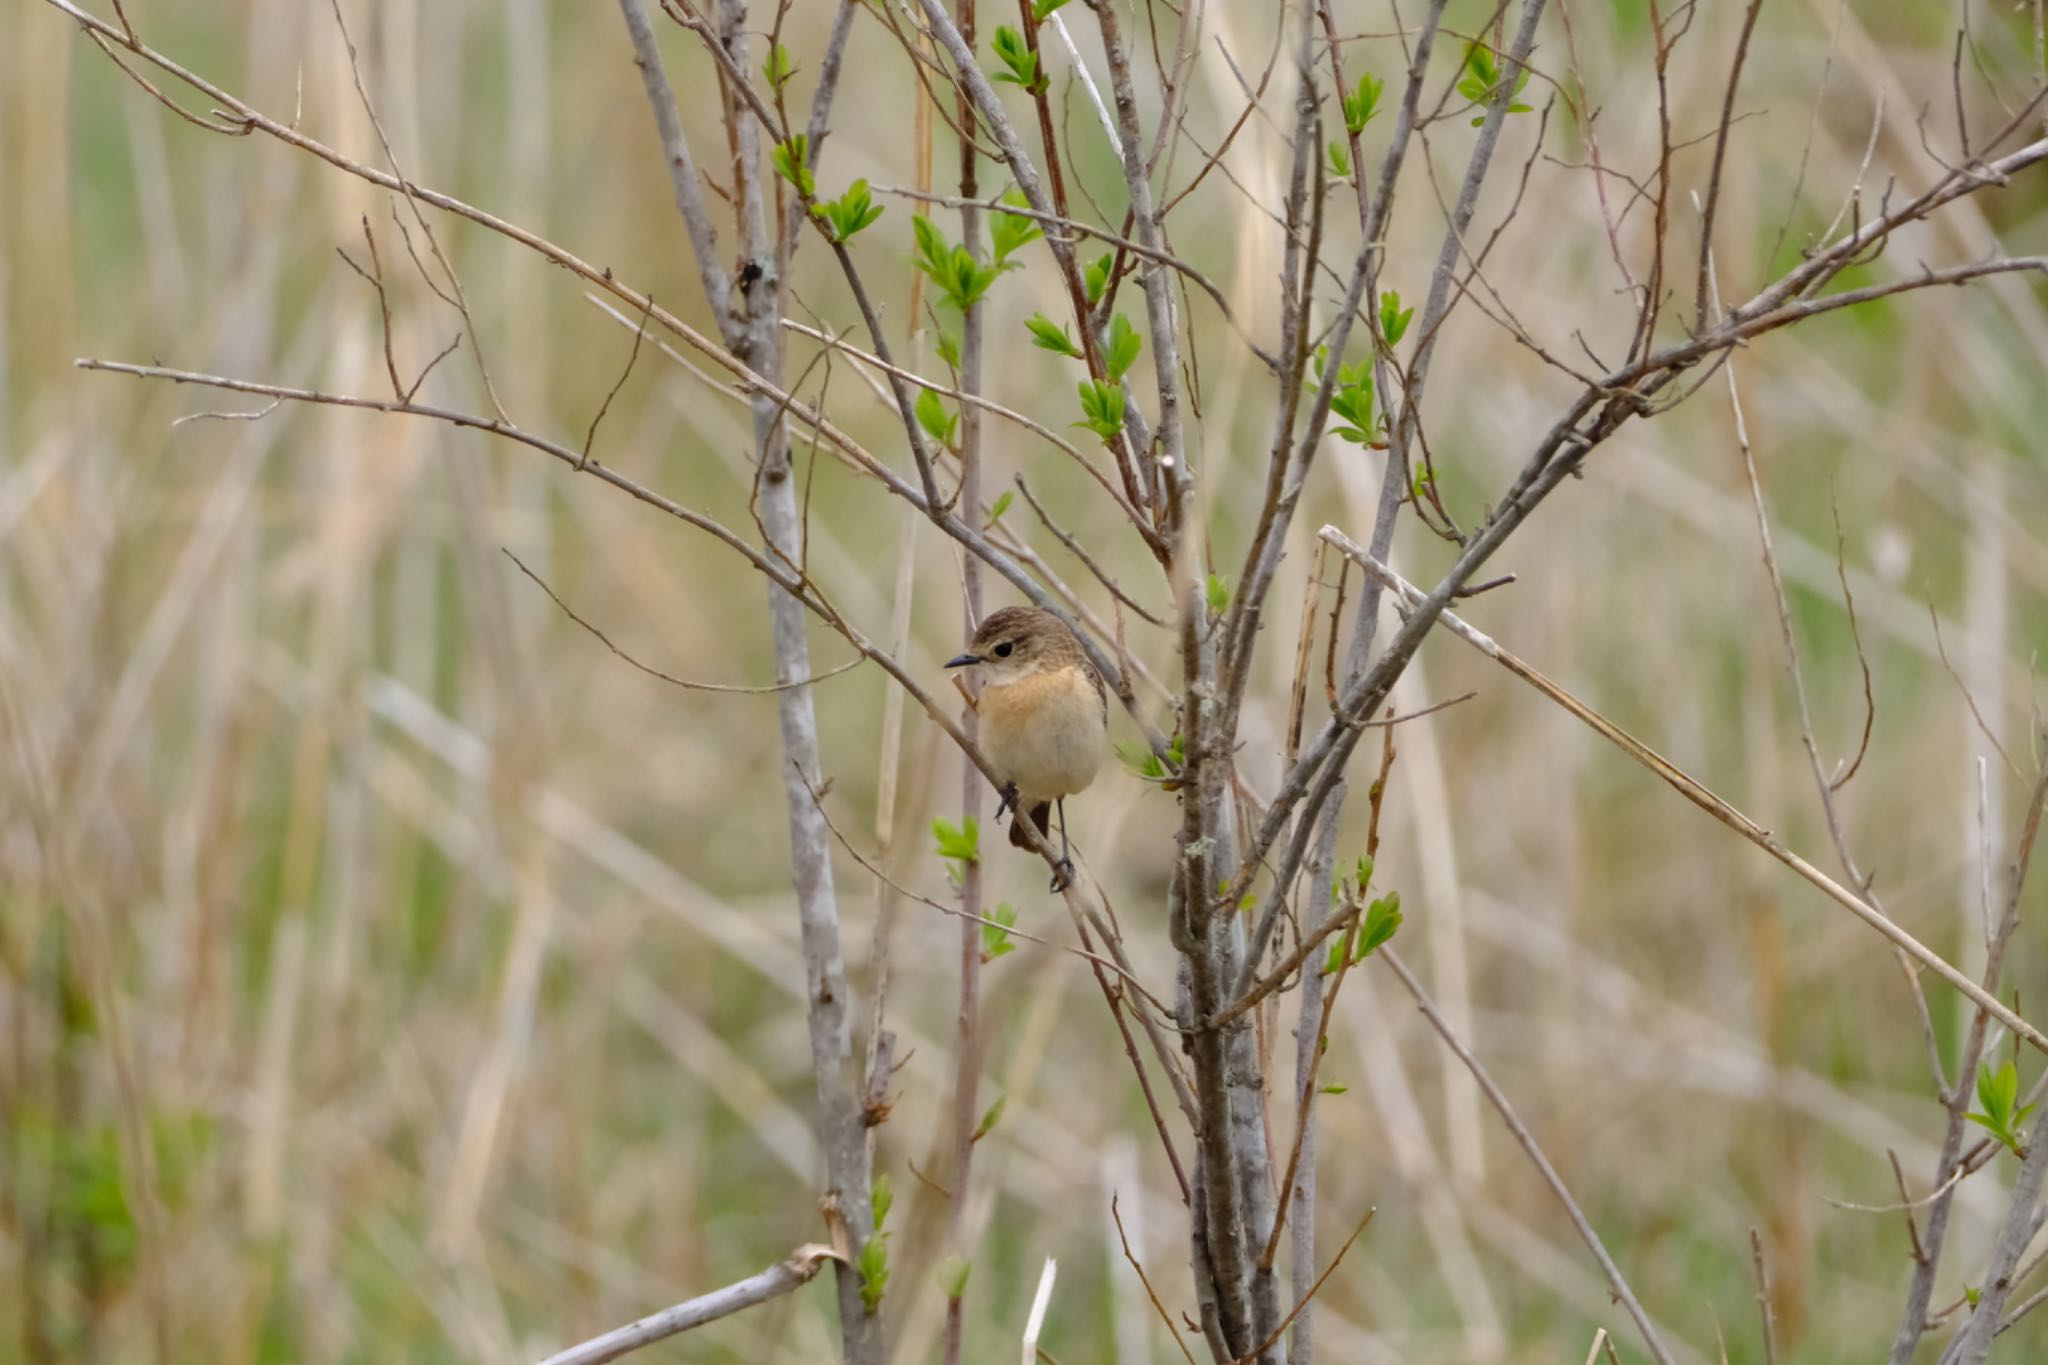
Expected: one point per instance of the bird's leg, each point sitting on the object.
(1063, 875)
(1009, 801)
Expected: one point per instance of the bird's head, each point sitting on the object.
(1018, 641)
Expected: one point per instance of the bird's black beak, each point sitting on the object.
(962, 660)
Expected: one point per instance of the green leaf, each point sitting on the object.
(1364, 871)
(1008, 232)
(1340, 951)
(1047, 335)
(932, 249)
(953, 269)
(1141, 761)
(1382, 920)
(1479, 62)
(968, 279)
(883, 1198)
(949, 348)
(1020, 63)
(995, 938)
(932, 415)
(1124, 345)
(953, 1276)
(1393, 318)
(2006, 1136)
(961, 842)
(1352, 402)
(1482, 82)
(1362, 104)
(777, 68)
(1216, 592)
(850, 212)
(874, 1272)
(1332, 1089)
(1102, 408)
(995, 513)
(791, 161)
(1998, 1091)
(990, 1119)
(1096, 277)
(1339, 160)
(1041, 10)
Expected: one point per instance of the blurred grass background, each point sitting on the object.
(390, 973)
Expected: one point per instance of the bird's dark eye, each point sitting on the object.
(1003, 649)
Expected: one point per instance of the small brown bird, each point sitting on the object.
(1044, 717)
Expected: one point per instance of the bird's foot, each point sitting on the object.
(1062, 876)
(1009, 801)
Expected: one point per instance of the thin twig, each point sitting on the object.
(1080, 552)
(1700, 796)
(1172, 1328)
(272, 406)
(460, 299)
(1701, 303)
(1527, 1141)
(1766, 1315)
(1313, 1289)
(639, 336)
(1983, 726)
(1848, 771)
(1905, 1204)
(873, 867)
(653, 672)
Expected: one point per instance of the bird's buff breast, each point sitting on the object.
(1045, 733)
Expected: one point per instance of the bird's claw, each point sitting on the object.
(1009, 801)
(1062, 875)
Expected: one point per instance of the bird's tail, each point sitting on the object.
(1041, 816)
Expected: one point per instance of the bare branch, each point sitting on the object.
(776, 1280)
(682, 167)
